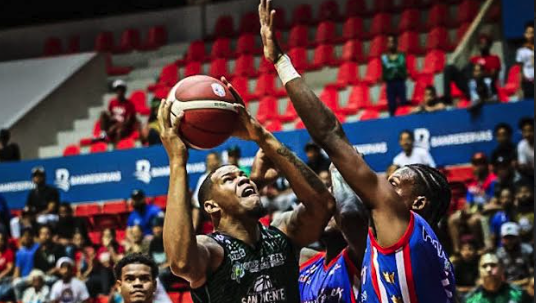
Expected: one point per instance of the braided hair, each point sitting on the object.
(432, 184)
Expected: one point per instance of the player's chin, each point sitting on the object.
(138, 298)
(254, 206)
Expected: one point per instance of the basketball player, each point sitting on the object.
(242, 262)
(404, 261)
(136, 276)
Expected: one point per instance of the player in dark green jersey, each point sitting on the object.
(242, 262)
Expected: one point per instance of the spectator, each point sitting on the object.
(411, 154)
(26, 220)
(137, 243)
(525, 57)
(48, 254)
(234, 154)
(68, 225)
(143, 213)
(466, 267)
(482, 88)
(38, 292)
(491, 66)
(525, 149)
(315, 160)
(157, 253)
(504, 169)
(96, 269)
(431, 102)
(505, 198)
(516, 256)
(5, 216)
(8, 151)
(110, 246)
(68, 289)
(524, 202)
(481, 190)
(84, 256)
(325, 176)
(120, 120)
(7, 260)
(150, 135)
(24, 261)
(42, 195)
(212, 162)
(494, 288)
(394, 71)
(505, 147)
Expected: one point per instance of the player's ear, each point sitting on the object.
(211, 207)
(419, 203)
(118, 283)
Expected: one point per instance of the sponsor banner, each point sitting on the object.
(451, 136)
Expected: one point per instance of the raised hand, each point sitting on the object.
(263, 171)
(272, 51)
(175, 147)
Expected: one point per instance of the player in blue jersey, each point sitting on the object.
(404, 261)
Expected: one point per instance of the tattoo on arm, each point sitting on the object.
(311, 178)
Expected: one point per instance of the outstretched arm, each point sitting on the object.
(390, 216)
(191, 258)
(306, 223)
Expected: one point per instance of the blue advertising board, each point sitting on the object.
(451, 136)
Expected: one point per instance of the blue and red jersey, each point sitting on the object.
(416, 269)
(331, 283)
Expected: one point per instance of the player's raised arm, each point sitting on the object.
(190, 257)
(390, 217)
(305, 224)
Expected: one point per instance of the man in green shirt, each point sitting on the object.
(494, 289)
(395, 73)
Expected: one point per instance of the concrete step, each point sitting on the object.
(50, 151)
(177, 49)
(162, 61)
(143, 73)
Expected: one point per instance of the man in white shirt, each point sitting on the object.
(411, 154)
(68, 289)
(525, 148)
(525, 57)
(39, 291)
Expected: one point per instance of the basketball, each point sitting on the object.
(209, 115)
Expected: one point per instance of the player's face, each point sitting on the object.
(403, 180)
(235, 193)
(137, 284)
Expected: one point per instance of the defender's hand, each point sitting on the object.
(272, 51)
(175, 147)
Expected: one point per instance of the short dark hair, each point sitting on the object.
(409, 132)
(526, 121)
(504, 126)
(66, 205)
(529, 24)
(5, 135)
(205, 189)
(431, 88)
(136, 258)
(434, 186)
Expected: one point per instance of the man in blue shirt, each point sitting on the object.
(24, 261)
(143, 213)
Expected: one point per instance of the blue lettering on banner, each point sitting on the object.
(451, 137)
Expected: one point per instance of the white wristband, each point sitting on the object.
(286, 70)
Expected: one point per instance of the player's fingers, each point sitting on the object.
(178, 119)
(261, 11)
(167, 114)
(272, 18)
(161, 115)
(233, 91)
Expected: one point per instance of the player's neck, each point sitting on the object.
(246, 231)
(333, 248)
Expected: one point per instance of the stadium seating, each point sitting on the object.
(104, 42)
(71, 150)
(266, 67)
(267, 109)
(218, 68)
(250, 23)
(329, 10)
(221, 49)
(438, 38)
(369, 114)
(324, 56)
(374, 71)
(290, 114)
(467, 11)
(302, 14)
(357, 8)
(73, 44)
(98, 147)
(299, 36)
(298, 55)
(241, 84)
(246, 45)
(139, 99)
(378, 46)
(224, 27)
(438, 16)
(245, 66)
(512, 84)
(410, 20)
(266, 87)
(381, 24)
(352, 50)
(434, 62)
(280, 19)
(52, 47)
(192, 69)
(357, 100)
(113, 70)
(130, 40)
(348, 75)
(168, 77)
(156, 37)
(196, 52)
(87, 210)
(325, 33)
(409, 43)
(352, 29)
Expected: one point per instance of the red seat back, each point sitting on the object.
(438, 16)
(218, 68)
(325, 33)
(169, 75)
(52, 47)
(104, 42)
(245, 66)
(224, 27)
(114, 207)
(409, 42)
(192, 68)
(267, 109)
(303, 14)
(87, 210)
(246, 44)
(221, 48)
(127, 143)
(250, 23)
(352, 28)
(71, 150)
(265, 85)
(438, 38)
(467, 11)
(381, 24)
(299, 36)
(298, 55)
(196, 51)
(410, 20)
(377, 47)
(330, 97)
(130, 40)
(329, 10)
(374, 71)
(98, 147)
(73, 44)
(352, 51)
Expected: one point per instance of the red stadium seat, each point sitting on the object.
(299, 36)
(127, 143)
(290, 114)
(160, 201)
(97, 129)
(434, 62)
(438, 38)
(112, 70)
(280, 19)
(73, 44)
(299, 58)
(266, 67)
(196, 52)
(455, 92)
(381, 24)
(175, 297)
(52, 47)
(98, 147)
(114, 208)
(186, 297)
(352, 29)
(130, 40)
(357, 8)
(325, 34)
(156, 37)
(241, 84)
(104, 42)
(384, 6)
(303, 14)
(192, 68)
(95, 237)
(221, 48)
(224, 27)
(139, 99)
(87, 210)
(403, 110)
(369, 114)
(512, 84)
(410, 20)
(352, 51)
(438, 16)
(162, 92)
(409, 43)
(250, 23)
(265, 85)
(71, 150)
(329, 10)
(267, 109)
(324, 56)
(377, 47)
(218, 68)
(494, 14)
(460, 33)
(245, 66)
(348, 75)
(381, 103)
(273, 126)
(330, 97)
(374, 71)
(246, 45)
(467, 11)
(358, 99)
(169, 76)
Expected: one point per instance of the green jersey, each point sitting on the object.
(507, 294)
(266, 273)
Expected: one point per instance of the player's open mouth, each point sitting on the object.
(248, 191)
